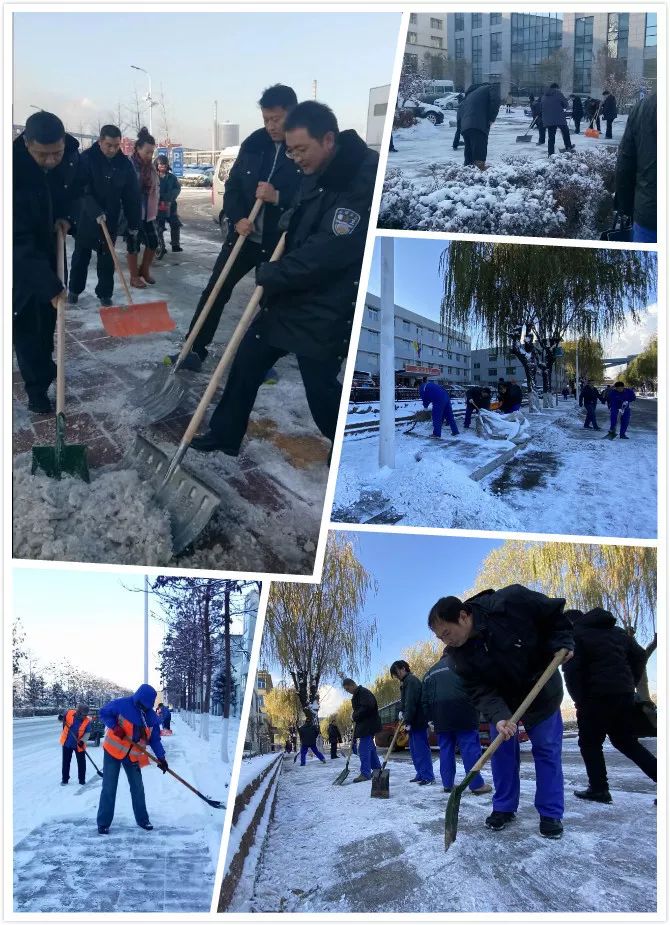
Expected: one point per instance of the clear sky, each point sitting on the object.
(78, 64)
(418, 287)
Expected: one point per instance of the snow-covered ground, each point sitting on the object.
(425, 144)
(566, 480)
(334, 849)
(61, 864)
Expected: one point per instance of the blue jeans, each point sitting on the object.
(442, 412)
(625, 419)
(110, 778)
(643, 235)
(419, 749)
(315, 751)
(367, 752)
(471, 750)
(591, 414)
(547, 741)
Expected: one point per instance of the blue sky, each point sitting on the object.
(78, 64)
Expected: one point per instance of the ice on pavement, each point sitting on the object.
(61, 864)
(334, 849)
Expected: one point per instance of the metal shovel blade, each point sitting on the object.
(189, 502)
(61, 458)
(138, 318)
(342, 776)
(380, 784)
(160, 394)
(524, 138)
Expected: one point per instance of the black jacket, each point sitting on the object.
(364, 713)
(39, 198)
(554, 105)
(308, 733)
(334, 733)
(635, 181)
(589, 395)
(260, 161)
(608, 108)
(410, 702)
(445, 702)
(479, 108)
(310, 294)
(478, 397)
(577, 108)
(606, 661)
(512, 396)
(518, 631)
(108, 185)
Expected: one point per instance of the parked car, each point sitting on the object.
(225, 162)
(450, 101)
(422, 110)
(363, 380)
(196, 176)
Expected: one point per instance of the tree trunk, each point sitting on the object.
(227, 678)
(207, 664)
(643, 684)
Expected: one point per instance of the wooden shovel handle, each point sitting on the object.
(228, 356)
(223, 276)
(60, 323)
(521, 709)
(115, 258)
(401, 723)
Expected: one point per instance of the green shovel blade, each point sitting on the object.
(61, 458)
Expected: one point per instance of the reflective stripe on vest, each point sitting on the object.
(69, 719)
(122, 748)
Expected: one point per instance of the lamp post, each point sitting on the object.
(148, 97)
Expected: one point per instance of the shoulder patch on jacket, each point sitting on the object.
(344, 221)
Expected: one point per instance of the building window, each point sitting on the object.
(436, 41)
(459, 22)
(617, 35)
(476, 59)
(649, 68)
(436, 23)
(476, 20)
(495, 19)
(536, 40)
(650, 30)
(493, 372)
(583, 54)
(477, 378)
(411, 38)
(476, 365)
(413, 18)
(260, 683)
(411, 63)
(372, 314)
(460, 49)
(496, 46)
(510, 370)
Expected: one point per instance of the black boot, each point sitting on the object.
(40, 404)
(174, 241)
(209, 443)
(498, 820)
(596, 796)
(103, 830)
(550, 828)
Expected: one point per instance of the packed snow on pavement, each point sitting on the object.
(334, 849)
(566, 479)
(61, 864)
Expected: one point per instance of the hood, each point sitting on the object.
(350, 154)
(144, 696)
(596, 619)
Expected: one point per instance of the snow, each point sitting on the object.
(61, 864)
(565, 479)
(522, 191)
(354, 854)
(251, 768)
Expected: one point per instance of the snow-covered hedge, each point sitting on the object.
(568, 195)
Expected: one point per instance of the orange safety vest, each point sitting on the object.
(69, 719)
(121, 748)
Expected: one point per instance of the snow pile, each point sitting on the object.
(114, 519)
(565, 196)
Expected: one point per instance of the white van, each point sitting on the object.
(225, 162)
(377, 109)
(441, 87)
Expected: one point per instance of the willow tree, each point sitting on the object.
(589, 360)
(283, 706)
(643, 370)
(524, 300)
(316, 632)
(621, 579)
(419, 656)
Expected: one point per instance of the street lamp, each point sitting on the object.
(148, 97)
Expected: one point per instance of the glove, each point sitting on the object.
(400, 715)
(81, 743)
(624, 406)
(162, 764)
(101, 218)
(119, 731)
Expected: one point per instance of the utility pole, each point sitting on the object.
(387, 358)
(215, 132)
(314, 89)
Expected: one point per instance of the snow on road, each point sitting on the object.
(334, 849)
(567, 479)
(61, 864)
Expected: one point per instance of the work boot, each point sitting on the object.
(426, 783)
(103, 830)
(480, 791)
(64, 783)
(40, 404)
(447, 789)
(176, 249)
(623, 437)
(596, 796)
(105, 302)
(498, 820)
(146, 825)
(209, 443)
(135, 277)
(145, 266)
(414, 780)
(361, 779)
(550, 828)
(72, 298)
(192, 361)
(271, 377)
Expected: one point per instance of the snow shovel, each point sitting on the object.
(526, 138)
(381, 776)
(162, 392)
(451, 813)
(61, 458)
(189, 501)
(214, 803)
(344, 773)
(135, 317)
(99, 772)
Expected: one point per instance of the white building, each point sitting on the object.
(426, 45)
(490, 364)
(421, 347)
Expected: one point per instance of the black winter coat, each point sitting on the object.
(39, 199)
(108, 185)
(577, 108)
(334, 733)
(310, 294)
(554, 105)
(606, 661)
(410, 702)
(260, 161)
(518, 631)
(512, 396)
(480, 108)
(478, 397)
(445, 702)
(635, 181)
(608, 108)
(589, 395)
(364, 713)
(308, 733)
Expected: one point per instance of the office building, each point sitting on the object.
(490, 364)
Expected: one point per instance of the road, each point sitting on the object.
(195, 210)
